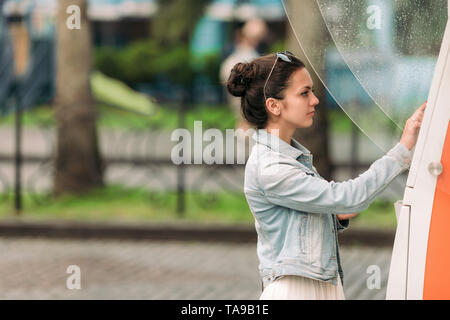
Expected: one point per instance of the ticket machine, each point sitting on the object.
(420, 264)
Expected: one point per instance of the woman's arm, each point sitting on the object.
(285, 183)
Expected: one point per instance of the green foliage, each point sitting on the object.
(42, 116)
(146, 61)
(278, 46)
(166, 55)
(176, 20)
(141, 61)
(380, 214)
(338, 121)
(107, 60)
(165, 118)
(211, 67)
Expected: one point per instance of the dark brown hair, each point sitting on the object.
(247, 81)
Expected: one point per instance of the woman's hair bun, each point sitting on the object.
(240, 78)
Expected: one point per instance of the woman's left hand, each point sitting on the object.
(346, 216)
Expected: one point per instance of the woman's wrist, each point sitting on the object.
(407, 145)
(402, 154)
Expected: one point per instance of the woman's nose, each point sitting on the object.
(314, 101)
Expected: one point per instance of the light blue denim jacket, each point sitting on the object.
(295, 208)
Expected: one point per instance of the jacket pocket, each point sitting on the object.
(304, 235)
(316, 238)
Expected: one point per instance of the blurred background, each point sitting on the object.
(86, 115)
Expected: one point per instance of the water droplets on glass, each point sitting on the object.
(376, 58)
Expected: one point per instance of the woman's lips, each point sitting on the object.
(311, 113)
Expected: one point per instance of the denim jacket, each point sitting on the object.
(295, 208)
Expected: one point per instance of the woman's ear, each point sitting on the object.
(273, 106)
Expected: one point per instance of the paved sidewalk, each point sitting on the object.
(35, 268)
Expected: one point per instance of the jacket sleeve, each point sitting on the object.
(341, 225)
(284, 183)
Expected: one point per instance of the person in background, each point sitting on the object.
(248, 39)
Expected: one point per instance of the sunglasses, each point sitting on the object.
(283, 56)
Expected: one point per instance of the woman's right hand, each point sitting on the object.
(412, 128)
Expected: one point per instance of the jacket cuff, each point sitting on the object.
(342, 224)
(402, 154)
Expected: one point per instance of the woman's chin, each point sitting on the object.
(306, 124)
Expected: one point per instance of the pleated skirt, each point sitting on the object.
(302, 288)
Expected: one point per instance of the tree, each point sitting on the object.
(78, 165)
(177, 19)
(314, 38)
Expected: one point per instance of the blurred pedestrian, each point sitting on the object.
(248, 39)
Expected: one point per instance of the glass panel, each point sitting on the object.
(379, 56)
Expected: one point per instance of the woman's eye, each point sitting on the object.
(306, 92)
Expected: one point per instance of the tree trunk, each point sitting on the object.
(314, 39)
(78, 165)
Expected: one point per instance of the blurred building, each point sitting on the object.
(116, 23)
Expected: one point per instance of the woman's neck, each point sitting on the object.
(284, 134)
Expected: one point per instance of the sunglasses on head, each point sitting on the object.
(283, 56)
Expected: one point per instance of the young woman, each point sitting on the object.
(298, 213)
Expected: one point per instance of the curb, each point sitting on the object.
(367, 237)
(168, 232)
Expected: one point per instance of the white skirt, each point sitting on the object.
(302, 288)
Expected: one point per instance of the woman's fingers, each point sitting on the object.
(420, 112)
(412, 128)
(418, 115)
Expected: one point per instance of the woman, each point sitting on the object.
(298, 213)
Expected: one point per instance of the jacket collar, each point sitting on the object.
(294, 150)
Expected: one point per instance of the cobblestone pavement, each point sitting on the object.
(35, 268)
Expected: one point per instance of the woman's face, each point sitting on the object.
(299, 100)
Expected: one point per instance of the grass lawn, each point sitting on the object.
(124, 204)
(117, 204)
(165, 118)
